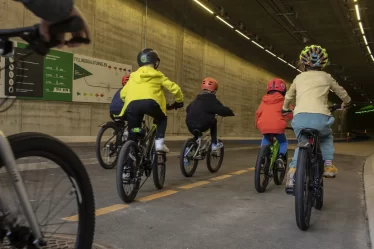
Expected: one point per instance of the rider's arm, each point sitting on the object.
(124, 92)
(338, 90)
(258, 114)
(50, 10)
(290, 95)
(221, 110)
(173, 88)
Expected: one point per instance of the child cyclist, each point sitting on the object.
(144, 94)
(311, 89)
(270, 120)
(117, 103)
(202, 111)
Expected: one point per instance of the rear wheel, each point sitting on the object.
(128, 172)
(280, 172)
(159, 169)
(108, 149)
(188, 164)
(303, 192)
(214, 159)
(262, 177)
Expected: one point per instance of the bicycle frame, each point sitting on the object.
(274, 148)
(7, 157)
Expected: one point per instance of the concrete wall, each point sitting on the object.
(192, 46)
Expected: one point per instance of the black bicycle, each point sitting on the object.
(137, 158)
(308, 182)
(32, 208)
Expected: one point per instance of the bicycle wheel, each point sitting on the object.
(49, 157)
(128, 175)
(109, 148)
(303, 194)
(262, 169)
(214, 156)
(280, 172)
(159, 169)
(319, 200)
(186, 156)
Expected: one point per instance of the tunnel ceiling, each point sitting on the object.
(289, 25)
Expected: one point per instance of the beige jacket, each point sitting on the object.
(311, 90)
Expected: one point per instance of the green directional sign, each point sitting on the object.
(80, 72)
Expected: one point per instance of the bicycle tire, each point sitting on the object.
(264, 152)
(122, 157)
(319, 200)
(190, 173)
(208, 159)
(303, 205)
(278, 179)
(30, 144)
(98, 143)
(159, 161)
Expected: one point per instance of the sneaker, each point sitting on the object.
(330, 171)
(290, 178)
(160, 145)
(217, 146)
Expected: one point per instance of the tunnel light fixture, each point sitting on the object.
(372, 57)
(366, 41)
(279, 58)
(240, 33)
(203, 6)
(299, 70)
(362, 28)
(291, 66)
(358, 13)
(368, 48)
(331, 91)
(222, 20)
(258, 45)
(270, 52)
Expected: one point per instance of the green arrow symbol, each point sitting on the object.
(78, 93)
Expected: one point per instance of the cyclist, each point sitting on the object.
(270, 120)
(311, 89)
(117, 103)
(144, 94)
(202, 111)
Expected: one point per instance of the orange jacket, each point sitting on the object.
(269, 118)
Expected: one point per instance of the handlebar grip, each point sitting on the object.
(78, 40)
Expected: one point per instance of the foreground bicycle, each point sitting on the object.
(33, 217)
(138, 157)
(308, 187)
(198, 148)
(267, 166)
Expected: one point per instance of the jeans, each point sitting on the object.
(136, 110)
(319, 122)
(283, 144)
(204, 128)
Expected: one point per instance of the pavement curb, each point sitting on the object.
(369, 195)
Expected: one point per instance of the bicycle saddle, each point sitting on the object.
(309, 131)
(197, 133)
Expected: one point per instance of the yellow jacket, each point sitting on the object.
(148, 83)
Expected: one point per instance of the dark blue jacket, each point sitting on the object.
(117, 103)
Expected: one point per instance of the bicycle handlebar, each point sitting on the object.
(35, 40)
(331, 108)
(174, 106)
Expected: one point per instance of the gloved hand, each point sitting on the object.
(177, 105)
(284, 112)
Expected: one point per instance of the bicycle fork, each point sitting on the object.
(9, 161)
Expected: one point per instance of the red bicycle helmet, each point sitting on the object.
(209, 84)
(125, 79)
(277, 85)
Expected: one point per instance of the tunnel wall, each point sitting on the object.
(189, 52)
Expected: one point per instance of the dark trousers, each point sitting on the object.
(136, 110)
(203, 128)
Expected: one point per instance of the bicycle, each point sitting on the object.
(137, 158)
(266, 165)
(308, 187)
(194, 149)
(111, 148)
(20, 225)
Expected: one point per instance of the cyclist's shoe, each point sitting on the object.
(330, 171)
(281, 161)
(290, 178)
(160, 145)
(217, 146)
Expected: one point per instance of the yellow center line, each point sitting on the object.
(251, 168)
(193, 185)
(220, 177)
(156, 196)
(239, 172)
(100, 211)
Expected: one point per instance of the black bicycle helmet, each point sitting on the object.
(148, 56)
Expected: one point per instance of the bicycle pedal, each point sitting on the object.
(329, 176)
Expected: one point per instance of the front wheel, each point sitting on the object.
(262, 177)
(159, 169)
(188, 164)
(107, 151)
(128, 175)
(303, 193)
(214, 159)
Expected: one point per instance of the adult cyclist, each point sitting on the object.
(311, 89)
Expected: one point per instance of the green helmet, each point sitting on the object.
(314, 56)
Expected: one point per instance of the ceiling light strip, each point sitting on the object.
(366, 41)
(299, 70)
(358, 13)
(279, 58)
(362, 28)
(222, 20)
(270, 53)
(204, 7)
(258, 45)
(292, 66)
(240, 33)
(368, 48)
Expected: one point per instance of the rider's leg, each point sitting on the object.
(283, 144)
(265, 140)
(216, 145)
(134, 116)
(327, 146)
